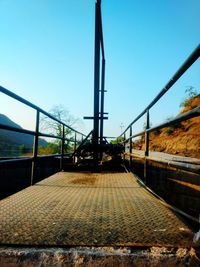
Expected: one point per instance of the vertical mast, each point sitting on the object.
(96, 80)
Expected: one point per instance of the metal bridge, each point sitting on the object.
(133, 200)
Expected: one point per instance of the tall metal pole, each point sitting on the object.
(95, 139)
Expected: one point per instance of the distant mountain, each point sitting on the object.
(10, 141)
(5, 120)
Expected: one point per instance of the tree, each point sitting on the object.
(118, 140)
(190, 92)
(62, 114)
(22, 149)
(51, 126)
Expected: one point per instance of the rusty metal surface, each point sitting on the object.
(84, 209)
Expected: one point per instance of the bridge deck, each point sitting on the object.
(84, 209)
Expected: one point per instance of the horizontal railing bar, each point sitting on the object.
(179, 165)
(59, 155)
(31, 158)
(28, 103)
(48, 156)
(16, 160)
(170, 163)
(189, 61)
(186, 116)
(52, 155)
(110, 137)
(92, 118)
(20, 130)
(135, 135)
(15, 129)
(54, 136)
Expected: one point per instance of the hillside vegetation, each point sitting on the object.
(182, 139)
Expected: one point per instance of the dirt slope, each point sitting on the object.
(183, 139)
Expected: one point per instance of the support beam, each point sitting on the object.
(95, 138)
(102, 100)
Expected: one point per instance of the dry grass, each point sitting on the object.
(184, 139)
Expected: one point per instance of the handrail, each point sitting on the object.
(186, 116)
(186, 65)
(190, 114)
(28, 103)
(15, 129)
(21, 130)
(38, 134)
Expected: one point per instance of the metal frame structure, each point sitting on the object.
(98, 115)
(188, 115)
(38, 134)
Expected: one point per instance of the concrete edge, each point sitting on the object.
(98, 256)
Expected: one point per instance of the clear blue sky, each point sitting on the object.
(47, 56)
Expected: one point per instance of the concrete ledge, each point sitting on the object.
(96, 257)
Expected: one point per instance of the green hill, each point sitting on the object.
(14, 143)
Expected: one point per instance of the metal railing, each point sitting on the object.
(38, 134)
(188, 115)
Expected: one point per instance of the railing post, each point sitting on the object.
(124, 146)
(62, 148)
(35, 148)
(75, 145)
(130, 147)
(146, 153)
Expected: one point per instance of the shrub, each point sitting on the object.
(191, 92)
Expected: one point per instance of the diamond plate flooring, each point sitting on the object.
(88, 209)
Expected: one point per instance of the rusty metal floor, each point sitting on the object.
(84, 209)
